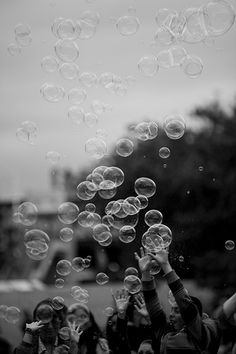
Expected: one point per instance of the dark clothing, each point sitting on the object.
(197, 336)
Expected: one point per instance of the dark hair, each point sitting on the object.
(198, 304)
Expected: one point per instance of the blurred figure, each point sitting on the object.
(42, 336)
(90, 339)
(186, 331)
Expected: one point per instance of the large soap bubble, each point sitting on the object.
(151, 241)
(145, 186)
(68, 213)
(107, 189)
(127, 234)
(86, 190)
(101, 232)
(67, 50)
(124, 147)
(28, 213)
(133, 284)
(63, 267)
(96, 148)
(153, 217)
(174, 126)
(114, 174)
(164, 232)
(102, 278)
(127, 25)
(66, 234)
(37, 244)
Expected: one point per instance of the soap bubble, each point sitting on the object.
(148, 65)
(153, 217)
(14, 49)
(36, 242)
(59, 283)
(68, 212)
(102, 278)
(163, 15)
(178, 53)
(131, 271)
(63, 267)
(165, 59)
(127, 25)
(133, 284)
(12, 314)
(91, 17)
(127, 234)
(84, 219)
(90, 207)
(76, 114)
(229, 245)
(101, 232)
(98, 107)
(106, 79)
(66, 29)
(22, 29)
(44, 313)
(107, 242)
(151, 241)
(174, 126)
(87, 30)
(194, 30)
(219, 17)
(67, 50)
(91, 119)
(124, 147)
(145, 186)
(53, 157)
(77, 264)
(77, 96)
(126, 220)
(96, 148)
(86, 190)
(58, 303)
(28, 213)
(115, 175)
(109, 311)
(66, 234)
(146, 130)
(69, 71)
(192, 66)
(52, 93)
(143, 201)
(164, 36)
(49, 64)
(164, 232)
(79, 294)
(87, 261)
(164, 152)
(107, 189)
(88, 79)
(55, 26)
(27, 133)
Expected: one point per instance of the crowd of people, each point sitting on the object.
(139, 324)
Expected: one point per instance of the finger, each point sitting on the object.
(136, 256)
(142, 252)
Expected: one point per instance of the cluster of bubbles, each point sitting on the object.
(23, 39)
(26, 214)
(191, 25)
(64, 267)
(27, 132)
(11, 314)
(115, 83)
(157, 237)
(36, 244)
(145, 130)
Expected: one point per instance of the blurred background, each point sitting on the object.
(145, 89)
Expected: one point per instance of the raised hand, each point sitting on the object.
(75, 332)
(121, 300)
(144, 261)
(161, 257)
(140, 305)
(34, 326)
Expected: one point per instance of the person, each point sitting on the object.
(226, 315)
(186, 331)
(42, 336)
(121, 301)
(90, 340)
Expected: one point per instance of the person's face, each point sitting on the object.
(51, 324)
(80, 318)
(145, 348)
(176, 318)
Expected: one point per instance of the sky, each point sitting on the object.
(24, 168)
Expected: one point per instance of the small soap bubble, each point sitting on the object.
(96, 148)
(87, 261)
(133, 284)
(69, 71)
(87, 29)
(131, 271)
(91, 119)
(88, 79)
(44, 313)
(66, 29)
(66, 234)
(59, 283)
(148, 65)
(145, 186)
(52, 93)
(164, 36)
(174, 126)
(28, 213)
(229, 245)
(124, 147)
(101, 232)
(153, 217)
(12, 314)
(49, 64)
(90, 207)
(192, 66)
(107, 242)
(165, 59)
(76, 115)
(67, 50)
(58, 303)
(77, 264)
(181, 258)
(63, 267)
(102, 278)
(14, 49)
(164, 152)
(77, 96)
(53, 157)
(68, 213)
(86, 190)
(127, 234)
(127, 25)
(143, 201)
(28, 132)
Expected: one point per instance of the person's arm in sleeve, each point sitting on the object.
(27, 344)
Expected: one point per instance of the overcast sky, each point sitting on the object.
(23, 166)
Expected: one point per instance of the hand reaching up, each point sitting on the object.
(121, 299)
(34, 326)
(75, 332)
(144, 261)
(140, 305)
